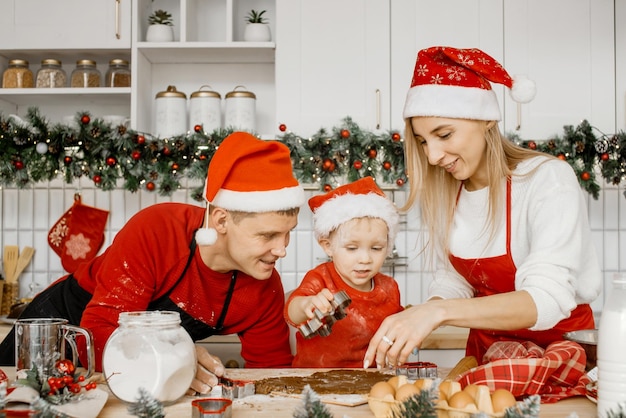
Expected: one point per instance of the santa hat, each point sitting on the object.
(249, 175)
(455, 83)
(359, 199)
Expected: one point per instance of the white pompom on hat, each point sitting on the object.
(249, 175)
(455, 83)
(359, 199)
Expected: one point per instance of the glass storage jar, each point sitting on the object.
(118, 74)
(17, 75)
(149, 350)
(86, 74)
(51, 74)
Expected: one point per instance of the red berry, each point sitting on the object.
(74, 388)
(81, 378)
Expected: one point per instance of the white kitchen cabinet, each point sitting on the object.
(332, 61)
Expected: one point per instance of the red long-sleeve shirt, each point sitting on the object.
(144, 261)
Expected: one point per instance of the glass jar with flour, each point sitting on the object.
(149, 350)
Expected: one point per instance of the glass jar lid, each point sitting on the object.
(118, 61)
(18, 63)
(147, 318)
(171, 92)
(86, 63)
(205, 93)
(240, 93)
(51, 61)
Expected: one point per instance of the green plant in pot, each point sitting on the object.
(257, 29)
(160, 27)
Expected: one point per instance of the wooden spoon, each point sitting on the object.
(22, 262)
(10, 256)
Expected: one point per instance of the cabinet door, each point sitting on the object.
(64, 24)
(566, 47)
(332, 61)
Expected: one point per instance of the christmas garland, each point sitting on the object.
(33, 151)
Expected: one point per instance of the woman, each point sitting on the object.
(508, 229)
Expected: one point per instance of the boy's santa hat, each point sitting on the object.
(455, 83)
(249, 175)
(359, 199)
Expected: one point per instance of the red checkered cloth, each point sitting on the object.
(525, 369)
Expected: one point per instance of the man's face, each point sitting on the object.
(256, 242)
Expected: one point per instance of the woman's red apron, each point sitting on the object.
(493, 275)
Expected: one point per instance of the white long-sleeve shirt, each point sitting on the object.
(551, 241)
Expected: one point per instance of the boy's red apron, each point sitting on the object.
(493, 275)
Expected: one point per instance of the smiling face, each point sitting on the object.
(358, 249)
(456, 145)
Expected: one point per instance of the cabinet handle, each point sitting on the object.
(377, 108)
(519, 117)
(117, 19)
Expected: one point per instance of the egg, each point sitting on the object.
(447, 388)
(481, 396)
(502, 399)
(397, 381)
(423, 384)
(383, 390)
(406, 391)
(461, 400)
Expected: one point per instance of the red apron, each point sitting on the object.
(493, 275)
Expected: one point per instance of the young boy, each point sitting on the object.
(356, 225)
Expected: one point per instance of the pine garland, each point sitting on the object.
(34, 151)
(146, 406)
(312, 406)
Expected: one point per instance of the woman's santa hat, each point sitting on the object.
(455, 83)
(249, 175)
(359, 199)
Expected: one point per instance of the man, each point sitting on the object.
(216, 267)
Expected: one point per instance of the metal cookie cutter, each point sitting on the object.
(322, 323)
(212, 408)
(417, 370)
(233, 389)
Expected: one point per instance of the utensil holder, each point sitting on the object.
(10, 294)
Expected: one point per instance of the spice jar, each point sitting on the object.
(149, 350)
(17, 75)
(51, 74)
(205, 109)
(170, 117)
(118, 74)
(240, 110)
(86, 74)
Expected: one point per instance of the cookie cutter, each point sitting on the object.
(232, 389)
(417, 370)
(322, 323)
(212, 408)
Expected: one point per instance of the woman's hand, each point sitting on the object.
(207, 373)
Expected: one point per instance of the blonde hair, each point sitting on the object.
(436, 191)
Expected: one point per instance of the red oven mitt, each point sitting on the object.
(525, 369)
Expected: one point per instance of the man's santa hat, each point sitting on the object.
(359, 199)
(455, 83)
(249, 175)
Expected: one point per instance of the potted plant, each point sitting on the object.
(257, 29)
(160, 29)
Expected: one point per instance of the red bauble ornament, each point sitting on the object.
(202, 157)
(400, 182)
(141, 139)
(357, 164)
(150, 186)
(561, 156)
(67, 160)
(328, 165)
(372, 153)
(604, 156)
(85, 119)
(97, 179)
(65, 366)
(174, 166)
(395, 136)
(387, 165)
(282, 127)
(136, 155)
(18, 165)
(345, 133)
(166, 151)
(585, 175)
(327, 187)
(532, 145)
(197, 128)
(111, 161)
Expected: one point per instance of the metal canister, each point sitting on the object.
(205, 109)
(240, 110)
(170, 116)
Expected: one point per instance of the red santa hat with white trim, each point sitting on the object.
(359, 199)
(249, 175)
(455, 83)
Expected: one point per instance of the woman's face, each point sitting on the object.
(456, 145)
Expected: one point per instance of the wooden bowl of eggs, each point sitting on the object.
(453, 401)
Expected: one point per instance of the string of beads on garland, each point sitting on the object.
(33, 150)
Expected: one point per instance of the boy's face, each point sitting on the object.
(358, 249)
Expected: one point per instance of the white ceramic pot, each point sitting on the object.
(257, 32)
(205, 108)
(240, 110)
(170, 113)
(160, 33)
